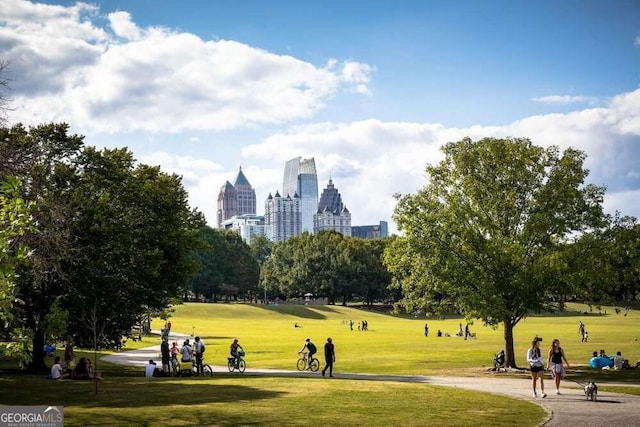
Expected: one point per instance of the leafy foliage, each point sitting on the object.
(484, 235)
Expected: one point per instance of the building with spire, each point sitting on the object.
(236, 199)
(300, 178)
(282, 217)
(332, 214)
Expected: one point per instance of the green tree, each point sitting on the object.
(133, 232)
(484, 235)
(43, 158)
(15, 221)
(226, 267)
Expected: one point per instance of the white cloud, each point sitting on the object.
(123, 26)
(126, 78)
(637, 41)
(566, 99)
(371, 160)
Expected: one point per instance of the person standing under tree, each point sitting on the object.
(329, 357)
(556, 356)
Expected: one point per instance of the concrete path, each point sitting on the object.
(568, 409)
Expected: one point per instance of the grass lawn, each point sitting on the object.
(396, 344)
(245, 400)
(393, 345)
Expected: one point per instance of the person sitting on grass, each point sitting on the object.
(150, 369)
(57, 373)
(90, 372)
(80, 372)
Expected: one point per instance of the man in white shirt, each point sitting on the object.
(186, 352)
(150, 369)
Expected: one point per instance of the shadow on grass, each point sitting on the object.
(123, 392)
(302, 311)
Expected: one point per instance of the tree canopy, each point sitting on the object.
(111, 237)
(484, 235)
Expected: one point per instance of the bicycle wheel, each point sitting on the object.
(207, 371)
(242, 366)
(314, 365)
(230, 365)
(302, 364)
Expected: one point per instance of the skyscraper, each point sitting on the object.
(282, 217)
(332, 214)
(234, 199)
(301, 179)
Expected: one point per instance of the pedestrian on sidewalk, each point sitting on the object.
(534, 357)
(556, 357)
(329, 357)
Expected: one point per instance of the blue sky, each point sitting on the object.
(370, 89)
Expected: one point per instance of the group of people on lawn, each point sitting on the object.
(83, 370)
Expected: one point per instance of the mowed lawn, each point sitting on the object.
(394, 344)
(244, 400)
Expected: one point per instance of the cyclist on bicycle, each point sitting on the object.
(311, 349)
(235, 345)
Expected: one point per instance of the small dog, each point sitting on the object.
(591, 391)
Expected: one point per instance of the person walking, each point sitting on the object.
(534, 357)
(556, 356)
(329, 357)
(426, 330)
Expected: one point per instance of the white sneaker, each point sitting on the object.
(544, 394)
(557, 391)
(535, 394)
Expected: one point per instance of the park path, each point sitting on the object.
(568, 409)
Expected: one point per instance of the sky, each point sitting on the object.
(371, 90)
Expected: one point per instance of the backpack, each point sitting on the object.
(311, 347)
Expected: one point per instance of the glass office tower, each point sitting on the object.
(301, 179)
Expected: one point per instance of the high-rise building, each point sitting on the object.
(301, 179)
(282, 217)
(236, 199)
(332, 214)
(370, 231)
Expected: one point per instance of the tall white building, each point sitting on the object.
(332, 214)
(300, 178)
(283, 217)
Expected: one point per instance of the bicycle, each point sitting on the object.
(305, 364)
(188, 368)
(240, 364)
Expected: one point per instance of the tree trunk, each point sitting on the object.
(510, 357)
(38, 355)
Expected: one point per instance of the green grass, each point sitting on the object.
(396, 344)
(393, 345)
(244, 400)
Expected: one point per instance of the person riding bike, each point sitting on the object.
(235, 345)
(310, 348)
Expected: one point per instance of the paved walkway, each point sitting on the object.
(568, 409)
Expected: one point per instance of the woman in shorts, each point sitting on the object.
(534, 357)
(556, 356)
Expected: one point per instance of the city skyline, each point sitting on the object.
(371, 91)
